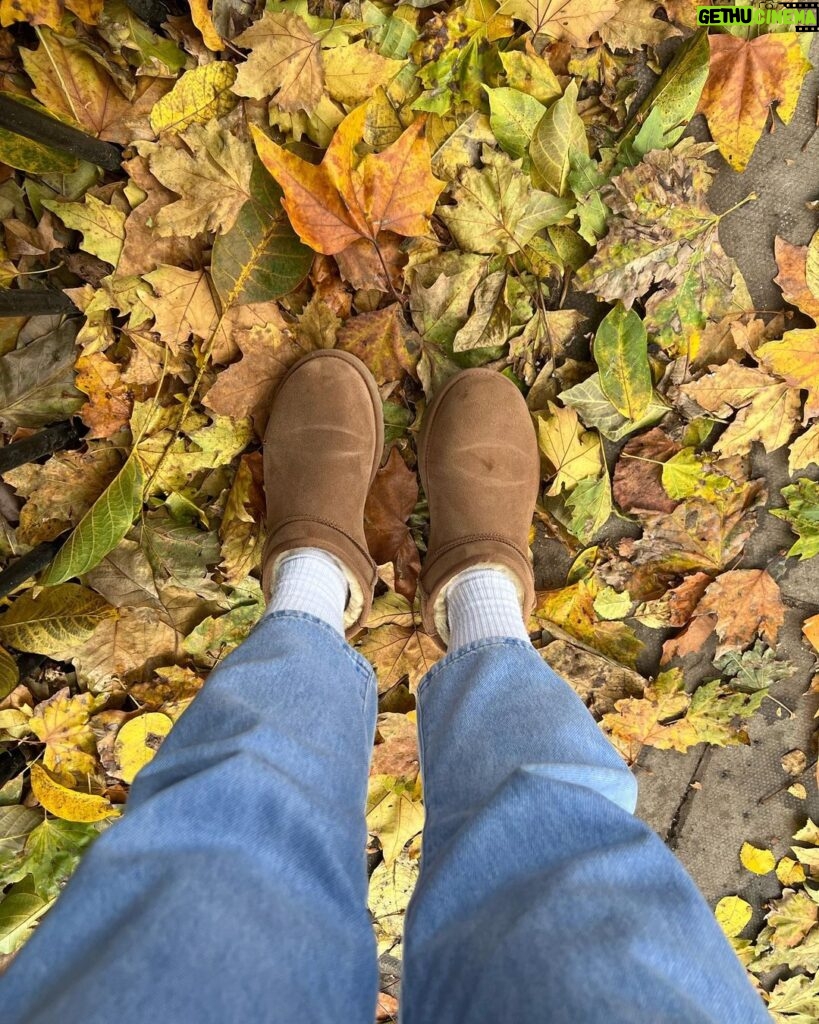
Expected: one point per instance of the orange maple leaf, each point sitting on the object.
(345, 198)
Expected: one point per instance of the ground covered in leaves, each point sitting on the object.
(430, 186)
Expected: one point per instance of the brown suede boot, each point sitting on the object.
(322, 448)
(480, 469)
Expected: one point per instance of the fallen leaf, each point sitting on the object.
(338, 202)
(390, 502)
(746, 77)
(733, 914)
(137, 743)
(396, 652)
(101, 528)
(802, 515)
(621, 352)
(791, 919)
(56, 622)
(62, 722)
(394, 813)
(573, 453)
(284, 63)
(496, 210)
(382, 342)
(101, 224)
(199, 95)
(69, 81)
(65, 803)
(760, 862)
(790, 872)
(768, 409)
(573, 20)
(211, 174)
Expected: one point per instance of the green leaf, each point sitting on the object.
(513, 117)
(101, 528)
(54, 623)
(621, 353)
(53, 850)
(558, 137)
(670, 105)
(261, 257)
(19, 912)
(37, 381)
(595, 409)
(802, 515)
(590, 508)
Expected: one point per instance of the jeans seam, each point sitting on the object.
(463, 652)
(363, 668)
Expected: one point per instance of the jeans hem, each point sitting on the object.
(451, 657)
(360, 663)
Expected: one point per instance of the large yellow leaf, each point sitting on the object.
(65, 803)
(396, 651)
(574, 453)
(56, 622)
(137, 743)
(745, 78)
(198, 96)
(63, 723)
(796, 360)
(394, 812)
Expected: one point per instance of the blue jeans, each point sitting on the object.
(234, 888)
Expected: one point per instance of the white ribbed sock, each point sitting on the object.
(310, 580)
(483, 603)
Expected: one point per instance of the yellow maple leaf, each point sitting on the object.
(574, 453)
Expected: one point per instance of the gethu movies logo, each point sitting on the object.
(801, 16)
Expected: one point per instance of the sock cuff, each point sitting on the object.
(482, 603)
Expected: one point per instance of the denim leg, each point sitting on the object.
(541, 898)
(235, 886)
